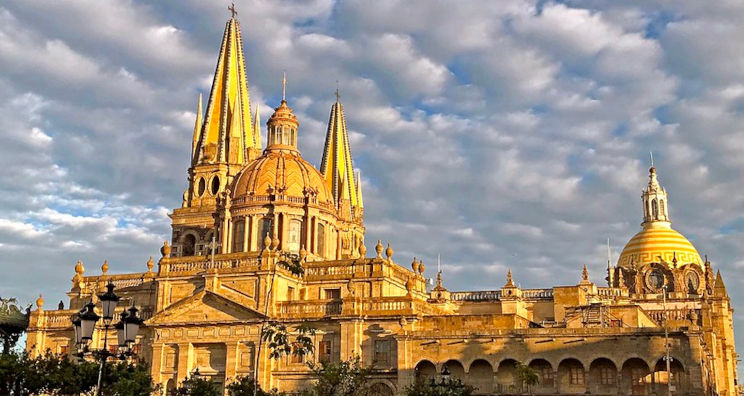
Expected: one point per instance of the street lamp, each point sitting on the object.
(84, 323)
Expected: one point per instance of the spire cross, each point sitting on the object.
(651, 159)
(284, 85)
(337, 90)
(232, 10)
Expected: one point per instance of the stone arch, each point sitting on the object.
(571, 376)
(425, 370)
(635, 376)
(456, 369)
(678, 375)
(481, 376)
(189, 244)
(383, 388)
(507, 376)
(603, 376)
(545, 372)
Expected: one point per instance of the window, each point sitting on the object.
(188, 245)
(265, 228)
(638, 375)
(293, 238)
(332, 294)
(662, 207)
(290, 293)
(607, 376)
(321, 250)
(63, 350)
(238, 233)
(215, 185)
(201, 187)
(576, 376)
(324, 351)
(383, 352)
(654, 208)
(546, 375)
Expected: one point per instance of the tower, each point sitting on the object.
(224, 141)
(654, 200)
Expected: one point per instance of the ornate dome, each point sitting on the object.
(280, 172)
(656, 241)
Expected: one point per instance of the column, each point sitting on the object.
(156, 363)
(184, 357)
(253, 241)
(231, 360)
(246, 231)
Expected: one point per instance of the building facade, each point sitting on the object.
(249, 211)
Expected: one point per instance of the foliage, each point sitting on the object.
(22, 375)
(346, 378)
(294, 266)
(197, 386)
(244, 386)
(280, 343)
(527, 376)
(444, 387)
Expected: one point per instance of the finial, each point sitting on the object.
(79, 268)
(585, 275)
(105, 267)
(362, 250)
(675, 260)
(267, 241)
(337, 90)
(389, 252)
(706, 259)
(415, 265)
(609, 258)
(379, 249)
(232, 10)
(275, 242)
(651, 159)
(303, 253)
(165, 251)
(284, 85)
(150, 264)
(509, 283)
(40, 302)
(421, 267)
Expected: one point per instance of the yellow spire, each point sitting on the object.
(257, 128)
(226, 135)
(358, 181)
(336, 164)
(197, 130)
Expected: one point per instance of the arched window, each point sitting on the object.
(201, 187)
(265, 228)
(662, 208)
(293, 237)
(238, 228)
(654, 209)
(188, 243)
(321, 244)
(215, 187)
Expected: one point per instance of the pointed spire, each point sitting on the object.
(719, 289)
(220, 139)
(510, 282)
(336, 164)
(257, 128)
(197, 130)
(358, 183)
(585, 274)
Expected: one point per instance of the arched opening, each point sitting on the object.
(265, 229)
(456, 370)
(215, 185)
(571, 376)
(507, 381)
(662, 208)
(678, 378)
(321, 243)
(238, 234)
(381, 389)
(188, 245)
(603, 376)
(170, 386)
(654, 209)
(634, 376)
(481, 377)
(293, 236)
(545, 375)
(425, 371)
(201, 186)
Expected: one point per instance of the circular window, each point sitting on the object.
(201, 187)
(215, 187)
(655, 280)
(692, 281)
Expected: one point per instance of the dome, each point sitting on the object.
(656, 241)
(280, 172)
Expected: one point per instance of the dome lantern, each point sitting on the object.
(282, 126)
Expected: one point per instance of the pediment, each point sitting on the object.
(205, 307)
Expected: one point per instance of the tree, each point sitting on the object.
(245, 386)
(527, 376)
(444, 387)
(196, 386)
(345, 378)
(280, 343)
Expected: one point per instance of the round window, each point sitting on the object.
(215, 185)
(201, 187)
(655, 280)
(692, 282)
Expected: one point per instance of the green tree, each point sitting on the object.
(196, 386)
(527, 376)
(280, 343)
(345, 378)
(444, 387)
(245, 386)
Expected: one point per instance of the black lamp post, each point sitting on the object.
(84, 323)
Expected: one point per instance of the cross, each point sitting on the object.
(213, 246)
(284, 85)
(233, 12)
(337, 90)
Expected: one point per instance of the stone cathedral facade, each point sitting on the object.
(249, 207)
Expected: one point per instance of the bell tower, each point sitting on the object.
(654, 201)
(224, 141)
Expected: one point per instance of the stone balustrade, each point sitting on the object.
(494, 295)
(194, 264)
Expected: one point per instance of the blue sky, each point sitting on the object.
(499, 134)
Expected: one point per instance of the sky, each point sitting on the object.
(504, 134)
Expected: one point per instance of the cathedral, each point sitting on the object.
(252, 206)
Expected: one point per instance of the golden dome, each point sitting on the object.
(656, 241)
(283, 173)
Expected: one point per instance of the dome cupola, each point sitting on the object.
(282, 126)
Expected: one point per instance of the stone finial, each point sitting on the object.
(509, 283)
(40, 302)
(421, 267)
(150, 264)
(303, 253)
(585, 275)
(79, 268)
(389, 252)
(675, 261)
(165, 251)
(363, 250)
(105, 267)
(415, 265)
(267, 241)
(379, 249)
(275, 242)
(409, 285)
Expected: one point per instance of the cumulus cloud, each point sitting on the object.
(501, 134)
